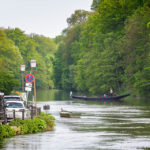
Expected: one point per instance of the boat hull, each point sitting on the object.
(103, 99)
(68, 114)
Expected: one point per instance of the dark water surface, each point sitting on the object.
(101, 127)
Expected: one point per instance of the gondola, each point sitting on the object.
(102, 99)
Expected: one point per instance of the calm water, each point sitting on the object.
(101, 127)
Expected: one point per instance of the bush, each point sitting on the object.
(17, 122)
(24, 129)
(1, 132)
(50, 120)
(39, 124)
(6, 131)
(29, 126)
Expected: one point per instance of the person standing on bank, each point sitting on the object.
(111, 92)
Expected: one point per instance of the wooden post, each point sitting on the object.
(14, 114)
(31, 112)
(39, 110)
(23, 111)
(5, 117)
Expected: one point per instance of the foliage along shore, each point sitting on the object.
(108, 47)
(44, 122)
(18, 48)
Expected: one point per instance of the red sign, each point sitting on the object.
(30, 78)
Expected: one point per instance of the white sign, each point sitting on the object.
(29, 85)
(1, 94)
(28, 89)
(24, 96)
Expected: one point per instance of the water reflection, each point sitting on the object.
(50, 95)
(101, 127)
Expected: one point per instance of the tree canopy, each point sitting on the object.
(17, 48)
(110, 49)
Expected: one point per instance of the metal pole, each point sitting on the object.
(34, 88)
(23, 81)
(34, 91)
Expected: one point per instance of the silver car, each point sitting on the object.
(18, 107)
(12, 98)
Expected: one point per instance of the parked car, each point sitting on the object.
(19, 107)
(12, 98)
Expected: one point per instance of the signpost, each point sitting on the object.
(29, 80)
(28, 89)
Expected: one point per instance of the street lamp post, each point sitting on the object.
(33, 65)
(22, 68)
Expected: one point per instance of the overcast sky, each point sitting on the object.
(44, 17)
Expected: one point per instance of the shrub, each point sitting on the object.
(24, 129)
(7, 131)
(29, 126)
(17, 122)
(38, 124)
(50, 120)
(1, 132)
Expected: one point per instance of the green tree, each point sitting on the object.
(39, 48)
(7, 82)
(95, 4)
(78, 17)
(10, 60)
(136, 51)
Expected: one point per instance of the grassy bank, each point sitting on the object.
(44, 122)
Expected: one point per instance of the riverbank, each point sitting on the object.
(44, 122)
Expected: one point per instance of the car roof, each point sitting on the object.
(11, 96)
(15, 102)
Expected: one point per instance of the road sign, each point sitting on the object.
(29, 85)
(30, 78)
(28, 89)
(24, 96)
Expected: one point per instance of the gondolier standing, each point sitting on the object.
(70, 93)
(111, 92)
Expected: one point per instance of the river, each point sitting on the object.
(101, 126)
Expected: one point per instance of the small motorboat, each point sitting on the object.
(69, 114)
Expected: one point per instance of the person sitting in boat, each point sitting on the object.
(111, 92)
(105, 96)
